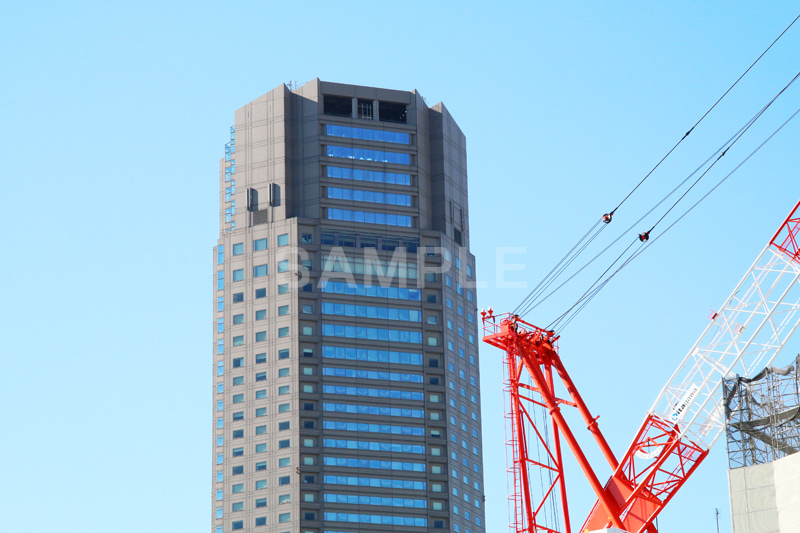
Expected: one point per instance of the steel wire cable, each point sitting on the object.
(523, 308)
(536, 290)
(532, 306)
(551, 277)
(724, 152)
(707, 112)
(649, 243)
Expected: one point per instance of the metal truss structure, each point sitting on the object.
(750, 329)
(763, 415)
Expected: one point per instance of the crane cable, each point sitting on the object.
(644, 237)
(569, 257)
(533, 305)
(588, 297)
(707, 112)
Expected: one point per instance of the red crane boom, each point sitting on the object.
(745, 335)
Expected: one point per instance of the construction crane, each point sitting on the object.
(687, 418)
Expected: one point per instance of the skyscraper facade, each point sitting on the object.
(346, 384)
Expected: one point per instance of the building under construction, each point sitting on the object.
(763, 435)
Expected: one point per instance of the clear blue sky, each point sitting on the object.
(114, 116)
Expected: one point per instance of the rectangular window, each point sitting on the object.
(260, 271)
(261, 376)
(261, 358)
(261, 336)
(285, 443)
(261, 314)
(283, 310)
(261, 293)
(370, 217)
(220, 254)
(366, 154)
(283, 266)
(283, 372)
(238, 319)
(237, 452)
(283, 240)
(259, 244)
(220, 280)
(238, 297)
(238, 275)
(283, 408)
(238, 340)
(261, 411)
(259, 467)
(283, 390)
(283, 288)
(238, 248)
(283, 354)
(283, 332)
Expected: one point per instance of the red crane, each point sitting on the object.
(750, 329)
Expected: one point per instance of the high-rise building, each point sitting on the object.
(346, 384)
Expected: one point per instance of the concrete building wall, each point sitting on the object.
(765, 498)
(284, 404)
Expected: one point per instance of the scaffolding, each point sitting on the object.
(763, 415)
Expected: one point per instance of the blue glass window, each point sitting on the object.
(361, 332)
(405, 521)
(355, 499)
(374, 176)
(220, 254)
(371, 374)
(376, 197)
(238, 248)
(373, 393)
(220, 346)
(359, 289)
(373, 410)
(238, 275)
(221, 303)
(367, 134)
(220, 280)
(389, 429)
(377, 356)
(373, 446)
(351, 462)
(370, 217)
(260, 270)
(365, 154)
(283, 239)
(283, 266)
(355, 481)
(259, 244)
(371, 311)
